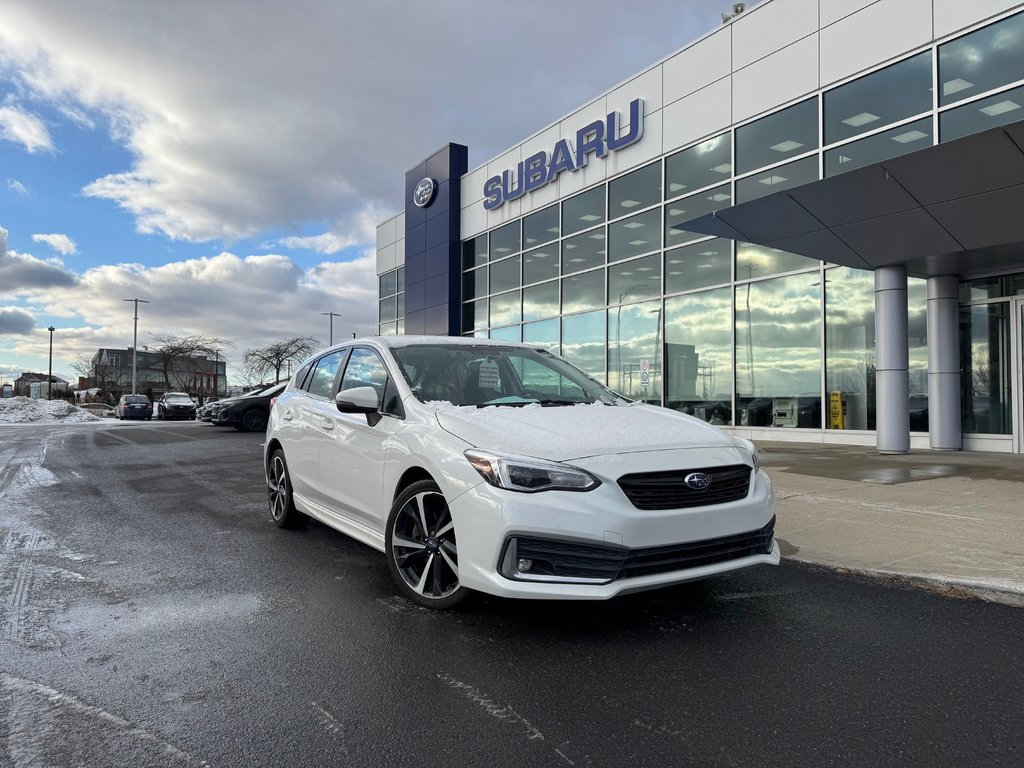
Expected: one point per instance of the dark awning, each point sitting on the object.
(951, 209)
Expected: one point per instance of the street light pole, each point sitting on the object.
(332, 316)
(135, 342)
(49, 373)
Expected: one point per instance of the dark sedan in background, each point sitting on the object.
(133, 407)
(249, 412)
(175, 405)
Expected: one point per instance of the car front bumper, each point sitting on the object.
(600, 525)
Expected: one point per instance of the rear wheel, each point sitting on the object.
(253, 420)
(422, 552)
(279, 494)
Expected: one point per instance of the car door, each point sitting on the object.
(352, 458)
(305, 431)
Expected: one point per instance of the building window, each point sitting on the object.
(685, 209)
(540, 301)
(992, 287)
(700, 265)
(849, 348)
(785, 134)
(582, 292)
(505, 275)
(583, 342)
(987, 58)
(541, 227)
(778, 352)
(505, 240)
(474, 284)
(540, 264)
(512, 333)
(917, 342)
(388, 309)
(698, 355)
(635, 235)
(631, 281)
(474, 252)
(754, 261)
(881, 146)
(777, 179)
(634, 349)
(388, 284)
(474, 316)
(543, 333)
(506, 308)
(583, 211)
(702, 165)
(634, 191)
(583, 251)
(886, 96)
(982, 114)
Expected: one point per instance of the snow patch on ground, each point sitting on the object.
(25, 410)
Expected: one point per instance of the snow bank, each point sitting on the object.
(24, 410)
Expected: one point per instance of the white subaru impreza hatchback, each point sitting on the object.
(498, 467)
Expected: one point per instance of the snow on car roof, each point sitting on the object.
(469, 341)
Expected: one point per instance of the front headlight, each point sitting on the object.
(755, 458)
(528, 475)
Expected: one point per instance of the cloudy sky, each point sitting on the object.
(229, 161)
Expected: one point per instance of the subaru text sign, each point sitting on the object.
(598, 138)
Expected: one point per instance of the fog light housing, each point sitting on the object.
(524, 564)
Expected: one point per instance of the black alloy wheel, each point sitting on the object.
(253, 420)
(422, 552)
(279, 494)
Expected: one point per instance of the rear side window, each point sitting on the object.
(300, 377)
(321, 381)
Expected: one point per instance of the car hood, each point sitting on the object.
(563, 433)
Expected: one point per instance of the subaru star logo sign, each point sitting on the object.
(697, 480)
(423, 195)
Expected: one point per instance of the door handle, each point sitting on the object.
(327, 424)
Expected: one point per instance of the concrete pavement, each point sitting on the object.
(954, 521)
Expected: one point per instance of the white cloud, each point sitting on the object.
(18, 188)
(63, 244)
(15, 320)
(24, 128)
(20, 272)
(328, 242)
(313, 116)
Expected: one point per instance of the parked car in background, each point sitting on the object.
(248, 412)
(133, 407)
(175, 405)
(102, 410)
(205, 411)
(498, 467)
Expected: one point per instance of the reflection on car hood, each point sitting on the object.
(571, 432)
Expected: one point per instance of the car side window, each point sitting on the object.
(321, 381)
(300, 377)
(365, 369)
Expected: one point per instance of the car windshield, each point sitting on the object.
(179, 399)
(485, 375)
(136, 399)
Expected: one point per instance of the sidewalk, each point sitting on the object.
(952, 520)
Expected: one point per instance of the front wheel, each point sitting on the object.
(279, 494)
(422, 553)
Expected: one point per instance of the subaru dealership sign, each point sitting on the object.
(598, 139)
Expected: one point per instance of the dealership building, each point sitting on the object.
(808, 224)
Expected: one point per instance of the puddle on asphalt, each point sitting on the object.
(896, 475)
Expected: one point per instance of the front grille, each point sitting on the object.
(568, 559)
(667, 490)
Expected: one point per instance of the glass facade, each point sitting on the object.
(737, 333)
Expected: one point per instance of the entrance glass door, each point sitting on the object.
(1017, 313)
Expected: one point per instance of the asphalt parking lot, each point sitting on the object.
(152, 615)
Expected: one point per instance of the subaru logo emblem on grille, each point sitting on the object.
(697, 480)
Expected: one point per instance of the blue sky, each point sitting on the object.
(229, 161)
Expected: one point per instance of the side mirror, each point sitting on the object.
(357, 400)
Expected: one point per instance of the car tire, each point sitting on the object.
(279, 494)
(419, 541)
(253, 420)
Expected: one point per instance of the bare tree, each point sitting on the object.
(260, 362)
(100, 374)
(177, 357)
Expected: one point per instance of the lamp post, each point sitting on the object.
(49, 373)
(332, 316)
(216, 370)
(135, 342)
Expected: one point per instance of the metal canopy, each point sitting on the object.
(951, 209)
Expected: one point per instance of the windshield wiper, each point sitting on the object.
(551, 401)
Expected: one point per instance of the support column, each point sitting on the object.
(892, 382)
(944, 363)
